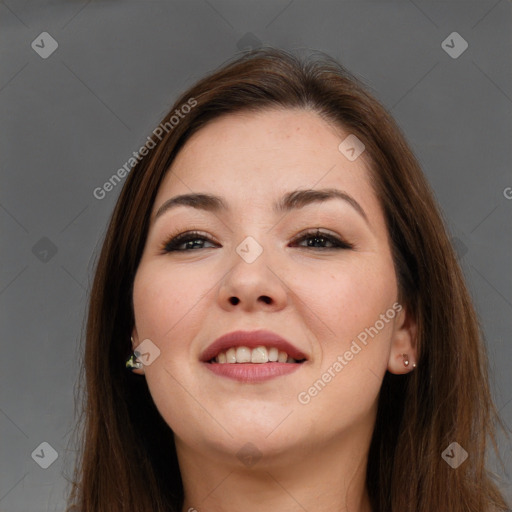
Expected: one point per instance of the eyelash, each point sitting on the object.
(172, 244)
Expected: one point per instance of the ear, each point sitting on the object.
(135, 343)
(403, 343)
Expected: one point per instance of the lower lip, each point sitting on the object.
(252, 372)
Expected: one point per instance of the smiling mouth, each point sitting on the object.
(258, 355)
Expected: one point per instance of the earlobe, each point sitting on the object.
(403, 356)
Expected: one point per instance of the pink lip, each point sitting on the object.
(251, 339)
(252, 372)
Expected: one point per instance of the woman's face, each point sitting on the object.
(258, 263)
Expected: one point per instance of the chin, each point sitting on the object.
(246, 450)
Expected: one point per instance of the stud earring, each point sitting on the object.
(406, 360)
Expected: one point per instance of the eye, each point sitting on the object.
(193, 240)
(317, 239)
(185, 242)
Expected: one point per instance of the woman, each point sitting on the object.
(279, 280)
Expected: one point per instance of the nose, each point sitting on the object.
(253, 286)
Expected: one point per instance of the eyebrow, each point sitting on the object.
(290, 201)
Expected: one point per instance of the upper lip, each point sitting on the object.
(251, 339)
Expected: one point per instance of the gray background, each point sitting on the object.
(71, 120)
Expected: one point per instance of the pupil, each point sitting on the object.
(193, 243)
(312, 241)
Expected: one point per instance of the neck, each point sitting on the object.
(331, 477)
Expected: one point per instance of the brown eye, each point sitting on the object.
(321, 240)
(185, 242)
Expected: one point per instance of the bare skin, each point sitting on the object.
(309, 453)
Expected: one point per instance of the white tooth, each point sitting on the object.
(273, 354)
(282, 357)
(243, 355)
(221, 358)
(231, 355)
(259, 355)
(290, 360)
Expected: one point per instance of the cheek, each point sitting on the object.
(162, 297)
(353, 356)
(168, 310)
(348, 297)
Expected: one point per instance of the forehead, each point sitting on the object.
(262, 155)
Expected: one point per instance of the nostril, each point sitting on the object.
(234, 300)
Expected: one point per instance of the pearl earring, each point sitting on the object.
(406, 360)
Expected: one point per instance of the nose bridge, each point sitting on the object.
(253, 235)
(250, 250)
(251, 280)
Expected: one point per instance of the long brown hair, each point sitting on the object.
(128, 461)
